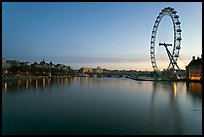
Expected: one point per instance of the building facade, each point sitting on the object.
(194, 69)
(98, 70)
(86, 70)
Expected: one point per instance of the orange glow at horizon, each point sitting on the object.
(143, 64)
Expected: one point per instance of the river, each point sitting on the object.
(100, 106)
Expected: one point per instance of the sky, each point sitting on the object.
(112, 35)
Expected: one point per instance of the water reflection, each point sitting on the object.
(5, 86)
(26, 84)
(36, 83)
(153, 107)
(194, 89)
(171, 92)
(160, 111)
(43, 83)
(175, 88)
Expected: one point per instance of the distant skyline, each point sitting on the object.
(112, 35)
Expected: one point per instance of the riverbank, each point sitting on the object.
(167, 80)
(138, 79)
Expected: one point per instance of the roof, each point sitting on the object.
(195, 62)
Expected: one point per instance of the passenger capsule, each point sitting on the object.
(178, 47)
(178, 30)
(179, 38)
(174, 12)
(178, 23)
(171, 9)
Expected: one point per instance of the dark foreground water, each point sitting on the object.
(100, 106)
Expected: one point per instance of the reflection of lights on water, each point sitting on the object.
(66, 81)
(5, 87)
(26, 84)
(175, 90)
(195, 86)
(62, 81)
(43, 83)
(48, 82)
(36, 83)
(18, 84)
(58, 81)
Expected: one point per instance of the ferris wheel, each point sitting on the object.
(173, 53)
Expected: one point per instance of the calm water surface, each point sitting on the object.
(100, 106)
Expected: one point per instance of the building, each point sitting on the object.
(59, 66)
(98, 70)
(3, 60)
(12, 63)
(194, 69)
(43, 64)
(51, 65)
(34, 64)
(106, 71)
(86, 70)
(25, 64)
(5, 64)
